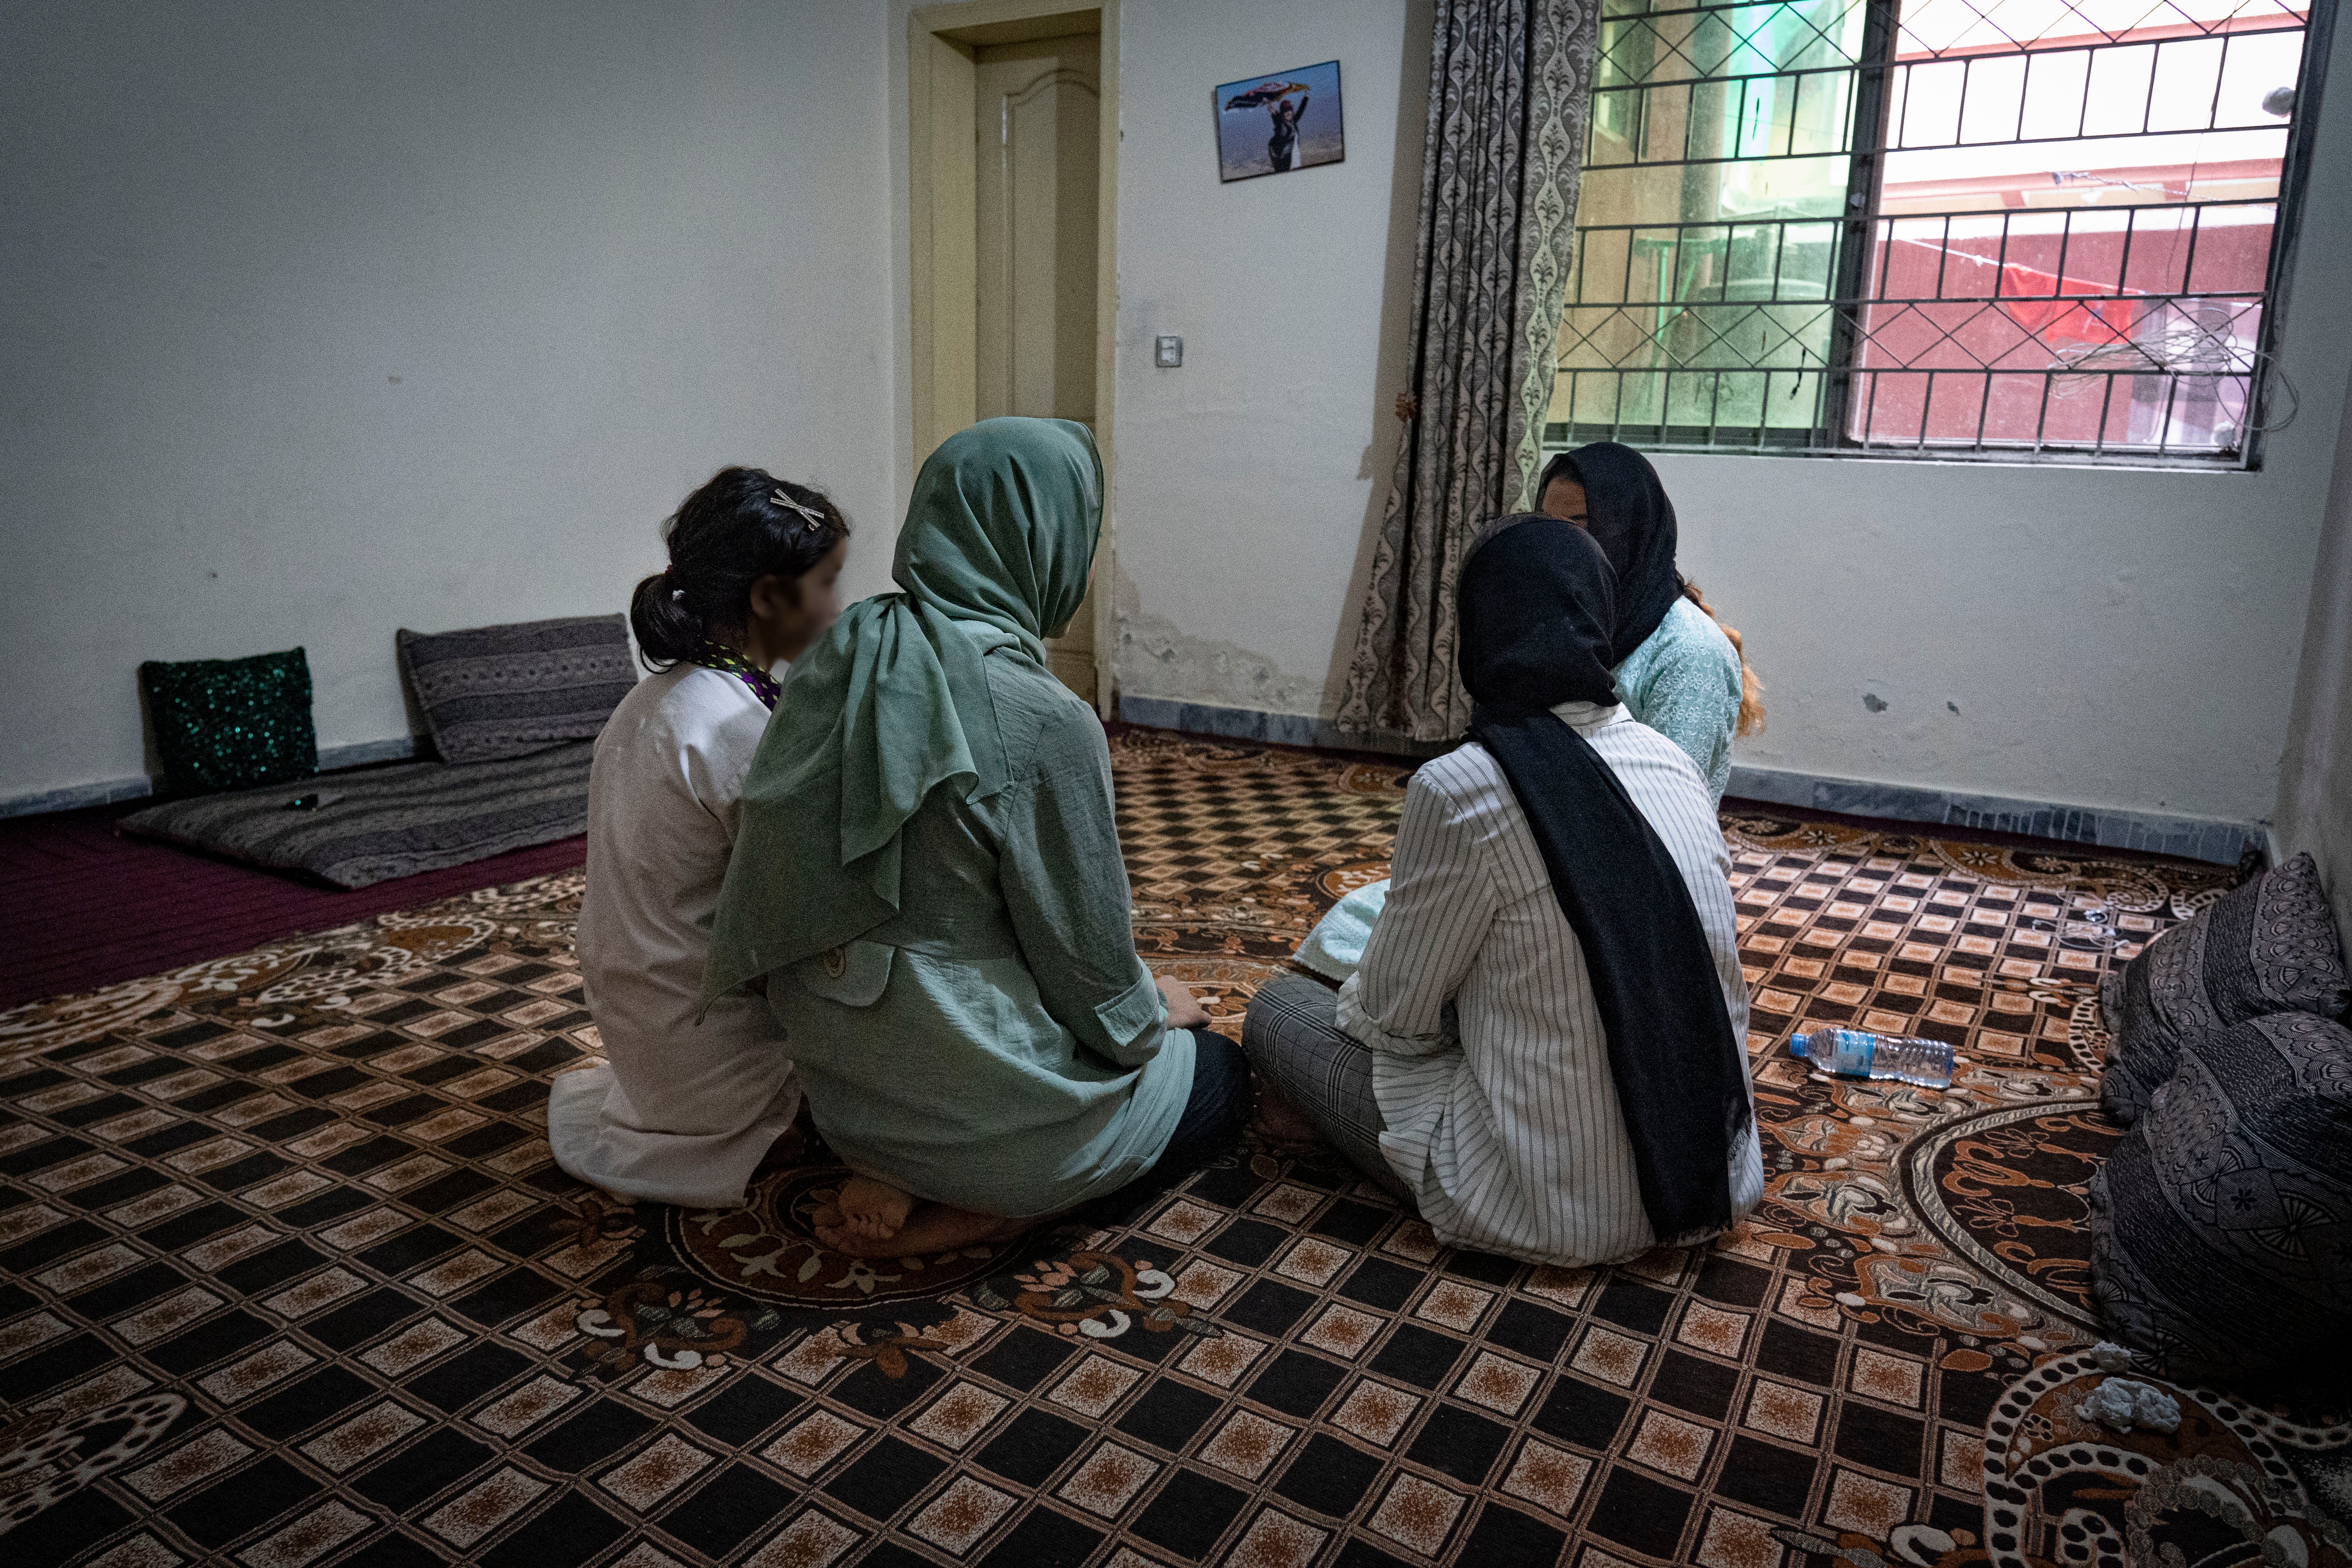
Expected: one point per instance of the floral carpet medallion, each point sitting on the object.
(711, 1283)
(288, 1277)
(1988, 1186)
(768, 1250)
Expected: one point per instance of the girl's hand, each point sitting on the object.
(1183, 1011)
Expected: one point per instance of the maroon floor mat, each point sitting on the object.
(81, 907)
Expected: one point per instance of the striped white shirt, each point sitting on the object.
(1504, 1118)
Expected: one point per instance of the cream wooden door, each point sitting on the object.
(1034, 109)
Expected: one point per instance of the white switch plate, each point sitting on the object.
(1168, 352)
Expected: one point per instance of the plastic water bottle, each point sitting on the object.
(1856, 1053)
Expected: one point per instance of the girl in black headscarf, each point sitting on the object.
(1675, 667)
(1543, 1044)
(1679, 669)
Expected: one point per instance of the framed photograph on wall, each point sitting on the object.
(1274, 124)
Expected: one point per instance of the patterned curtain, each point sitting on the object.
(1509, 83)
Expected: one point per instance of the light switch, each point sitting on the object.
(1168, 352)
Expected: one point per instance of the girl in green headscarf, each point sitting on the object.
(929, 877)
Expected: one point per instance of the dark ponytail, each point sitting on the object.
(725, 537)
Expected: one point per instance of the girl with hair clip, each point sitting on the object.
(678, 1111)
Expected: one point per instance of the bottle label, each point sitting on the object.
(1854, 1049)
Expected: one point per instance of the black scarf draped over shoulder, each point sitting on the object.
(1627, 511)
(1538, 614)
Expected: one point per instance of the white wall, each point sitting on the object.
(1249, 480)
(325, 319)
(2096, 637)
(2108, 637)
(2314, 810)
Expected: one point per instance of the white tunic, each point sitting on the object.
(677, 1111)
(1505, 1120)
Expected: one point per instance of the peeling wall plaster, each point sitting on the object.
(1249, 482)
(1158, 658)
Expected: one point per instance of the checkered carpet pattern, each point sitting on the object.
(287, 1276)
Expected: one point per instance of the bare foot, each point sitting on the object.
(931, 1227)
(872, 1210)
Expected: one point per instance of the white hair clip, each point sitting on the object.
(779, 499)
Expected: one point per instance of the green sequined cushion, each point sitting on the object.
(232, 723)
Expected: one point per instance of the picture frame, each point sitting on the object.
(1279, 123)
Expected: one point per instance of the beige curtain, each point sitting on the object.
(1509, 86)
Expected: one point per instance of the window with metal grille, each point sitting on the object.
(1948, 228)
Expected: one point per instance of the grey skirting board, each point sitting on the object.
(2192, 837)
(106, 792)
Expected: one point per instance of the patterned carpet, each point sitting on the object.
(286, 1278)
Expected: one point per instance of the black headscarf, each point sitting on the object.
(1536, 610)
(1630, 517)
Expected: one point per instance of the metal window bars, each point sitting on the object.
(1938, 228)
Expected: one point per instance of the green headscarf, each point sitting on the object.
(893, 702)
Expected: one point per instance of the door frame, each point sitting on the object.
(940, 41)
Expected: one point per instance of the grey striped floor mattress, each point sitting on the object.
(376, 823)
